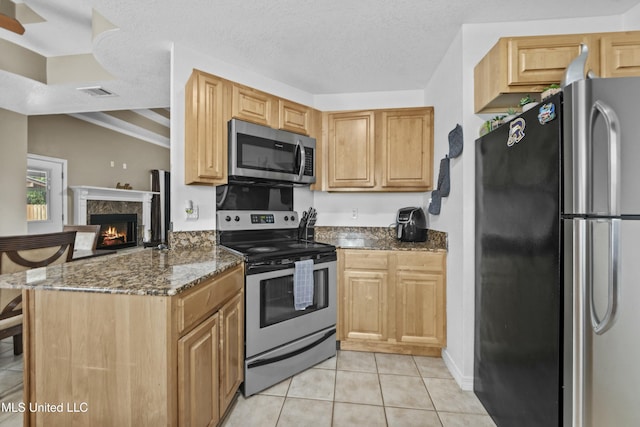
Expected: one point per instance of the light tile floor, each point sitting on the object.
(10, 383)
(364, 389)
(352, 389)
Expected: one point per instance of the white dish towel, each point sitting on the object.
(303, 285)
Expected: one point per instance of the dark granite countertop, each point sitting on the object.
(377, 238)
(135, 272)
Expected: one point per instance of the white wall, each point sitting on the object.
(13, 172)
(445, 93)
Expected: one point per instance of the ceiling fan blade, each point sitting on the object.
(11, 24)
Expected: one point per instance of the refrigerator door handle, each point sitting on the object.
(600, 326)
(613, 131)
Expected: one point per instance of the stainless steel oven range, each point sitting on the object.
(290, 295)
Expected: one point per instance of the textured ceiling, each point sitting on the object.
(321, 47)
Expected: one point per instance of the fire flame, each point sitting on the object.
(111, 236)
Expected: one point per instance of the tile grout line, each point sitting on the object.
(428, 392)
(384, 408)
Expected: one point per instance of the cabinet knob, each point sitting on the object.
(227, 218)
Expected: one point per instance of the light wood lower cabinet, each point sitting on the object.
(392, 301)
(198, 371)
(231, 349)
(134, 360)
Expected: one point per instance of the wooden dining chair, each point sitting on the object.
(19, 253)
(86, 236)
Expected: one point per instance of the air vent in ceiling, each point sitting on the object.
(96, 91)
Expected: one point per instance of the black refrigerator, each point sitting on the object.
(518, 318)
(557, 261)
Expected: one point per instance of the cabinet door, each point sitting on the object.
(351, 150)
(407, 148)
(198, 368)
(365, 305)
(205, 130)
(543, 60)
(420, 308)
(620, 55)
(231, 349)
(254, 106)
(294, 117)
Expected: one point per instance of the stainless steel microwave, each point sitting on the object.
(260, 152)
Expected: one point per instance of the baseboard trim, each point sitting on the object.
(465, 382)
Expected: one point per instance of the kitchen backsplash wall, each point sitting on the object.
(362, 209)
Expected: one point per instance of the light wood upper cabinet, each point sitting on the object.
(375, 150)
(254, 106)
(206, 116)
(620, 54)
(406, 142)
(294, 117)
(379, 150)
(351, 150)
(543, 60)
(517, 66)
(392, 301)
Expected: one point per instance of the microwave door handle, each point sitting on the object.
(303, 153)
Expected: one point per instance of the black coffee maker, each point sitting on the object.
(411, 225)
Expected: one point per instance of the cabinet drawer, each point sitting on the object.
(197, 304)
(421, 260)
(366, 259)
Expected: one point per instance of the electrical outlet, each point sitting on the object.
(113, 164)
(354, 213)
(192, 214)
(124, 166)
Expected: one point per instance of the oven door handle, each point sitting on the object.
(262, 362)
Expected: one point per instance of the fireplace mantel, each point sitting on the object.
(82, 193)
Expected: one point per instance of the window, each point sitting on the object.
(37, 195)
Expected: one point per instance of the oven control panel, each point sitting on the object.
(263, 219)
(256, 220)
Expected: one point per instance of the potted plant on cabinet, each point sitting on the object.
(527, 103)
(550, 90)
(511, 113)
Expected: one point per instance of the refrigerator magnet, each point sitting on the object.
(547, 113)
(516, 131)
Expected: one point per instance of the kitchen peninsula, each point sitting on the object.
(139, 338)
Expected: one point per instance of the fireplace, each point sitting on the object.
(116, 230)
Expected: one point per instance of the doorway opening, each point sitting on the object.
(46, 202)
